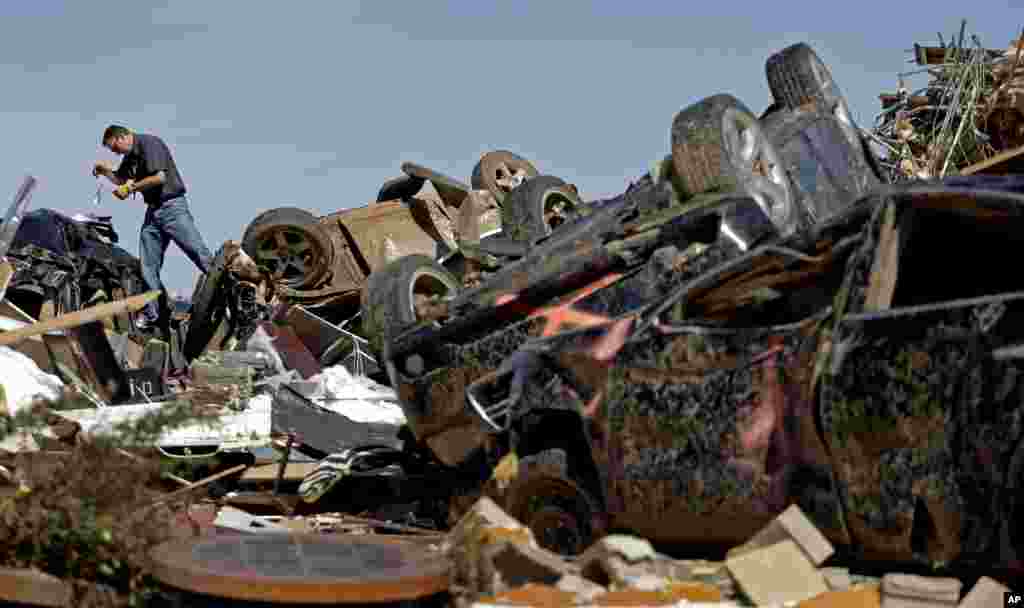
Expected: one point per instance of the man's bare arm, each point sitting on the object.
(148, 182)
(109, 173)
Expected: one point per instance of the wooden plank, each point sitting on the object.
(936, 55)
(95, 347)
(180, 492)
(885, 268)
(75, 319)
(294, 471)
(66, 353)
(1000, 164)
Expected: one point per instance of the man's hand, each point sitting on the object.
(102, 167)
(124, 190)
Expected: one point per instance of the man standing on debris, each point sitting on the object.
(149, 168)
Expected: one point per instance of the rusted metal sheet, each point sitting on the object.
(385, 231)
(320, 432)
(304, 568)
(293, 352)
(317, 334)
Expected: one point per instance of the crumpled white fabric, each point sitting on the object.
(24, 382)
(356, 397)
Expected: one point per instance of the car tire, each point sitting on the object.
(798, 77)
(400, 188)
(389, 299)
(208, 309)
(719, 146)
(491, 168)
(291, 245)
(546, 499)
(824, 181)
(538, 206)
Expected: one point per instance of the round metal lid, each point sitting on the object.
(304, 568)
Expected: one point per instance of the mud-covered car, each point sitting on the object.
(842, 375)
(723, 364)
(727, 184)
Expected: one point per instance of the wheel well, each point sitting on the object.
(541, 430)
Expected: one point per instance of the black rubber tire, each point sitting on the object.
(208, 311)
(703, 158)
(400, 188)
(797, 77)
(485, 177)
(550, 469)
(387, 301)
(523, 212)
(828, 189)
(296, 220)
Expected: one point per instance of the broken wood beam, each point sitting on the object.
(78, 318)
(1000, 164)
(936, 55)
(197, 485)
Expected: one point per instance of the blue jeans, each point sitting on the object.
(171, 221)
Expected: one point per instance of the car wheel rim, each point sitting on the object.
(558, 209)
(554, 509)
(557, 529)
(288, 254)
(758, 165)
(508, 178)
(425, 288)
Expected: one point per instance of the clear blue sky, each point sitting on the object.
(315, 104)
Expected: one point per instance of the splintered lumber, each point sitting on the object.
(81, 317)
(197, 485)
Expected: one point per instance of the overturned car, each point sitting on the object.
(754, 325)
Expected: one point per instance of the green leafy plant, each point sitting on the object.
(90, 514)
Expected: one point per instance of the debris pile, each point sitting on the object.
(499, 394)
(497, 563)
(968, 118)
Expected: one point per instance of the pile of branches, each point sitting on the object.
(971, 109)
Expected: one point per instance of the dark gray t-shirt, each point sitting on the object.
(150, 155)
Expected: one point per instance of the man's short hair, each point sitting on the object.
(113, 132)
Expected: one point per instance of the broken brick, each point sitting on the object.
(791, 524)
(864, 597)
(616, 559)
(838, 579)
(470, 544)
(986, 592)
(912, 591)
(776, 574)
(519, 564)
